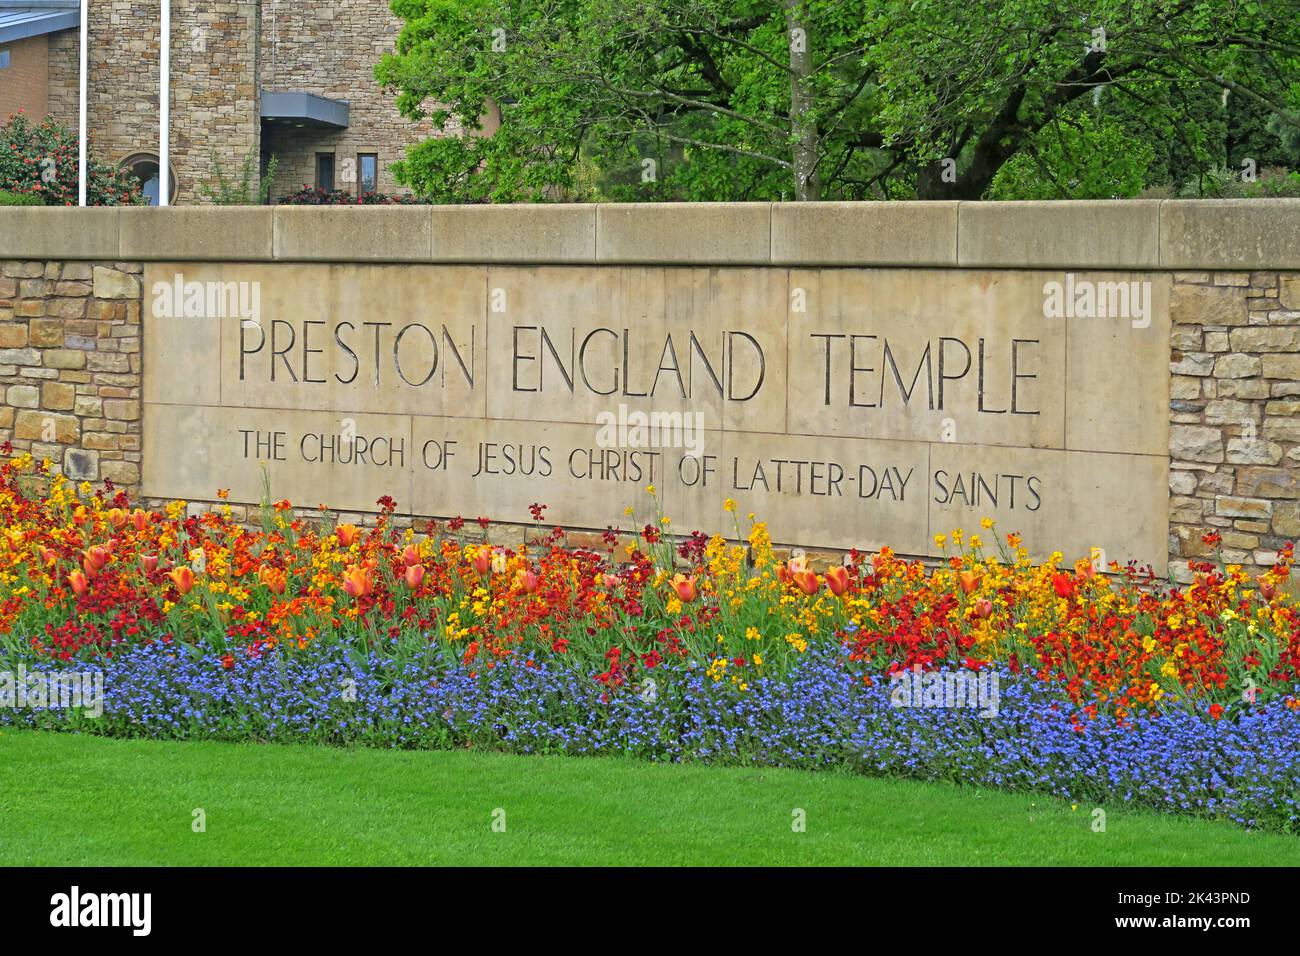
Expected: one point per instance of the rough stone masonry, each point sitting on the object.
(1234, 414)
(70, 366)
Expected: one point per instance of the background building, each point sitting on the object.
(248, 77)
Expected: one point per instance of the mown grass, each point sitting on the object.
(75, 800)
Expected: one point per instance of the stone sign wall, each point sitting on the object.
(1111, 375)
(846, 407)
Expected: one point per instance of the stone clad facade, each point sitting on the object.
(70, 366)
(224, 57)
(1235, 415)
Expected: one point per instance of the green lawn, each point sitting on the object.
(73, 800)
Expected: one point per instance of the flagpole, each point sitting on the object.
(81, 121)
(164, 104)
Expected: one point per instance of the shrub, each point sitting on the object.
(1220, 183)
(40, 159)
(19, 199)
(315, 196)
(243, 191)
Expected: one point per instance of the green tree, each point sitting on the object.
(836, 99)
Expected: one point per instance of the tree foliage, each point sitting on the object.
(841, 99)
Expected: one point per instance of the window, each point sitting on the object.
(368, 171)
(144, 167)
(325, 171)
(4, 59)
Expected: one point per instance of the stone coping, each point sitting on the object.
(1232, 234)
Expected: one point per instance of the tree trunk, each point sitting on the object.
(803, 131)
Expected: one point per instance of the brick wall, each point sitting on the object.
(1235, 416)
(24, 83)
(70, 366)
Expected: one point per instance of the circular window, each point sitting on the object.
(144, 167)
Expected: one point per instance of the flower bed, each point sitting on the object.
(1109, 687)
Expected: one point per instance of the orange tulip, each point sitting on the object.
(411, 556)
(414, 575)
(273, 579)
(139, 519)
(96, 557)
(358, 582)
(183, 578)
(483, 561)
(150, 563)
(527, 580)
(1267, 589)
(117, 518)
(969, 581)
(48, 556)
(783, 575)
(807, 581)
(79, 583)
(983, 608)
(347, 534)
(837, 579)
(684, 586)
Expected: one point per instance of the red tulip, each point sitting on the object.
(79, 583)
(685, 587)
(183, 578)
(411, 556)
(527, 580)
(1063, 584)
(1267, 589)
(414, 575)
(837, 579)
(611, 581)
(983, 608)
(139, 519)
(150, 562)
(483, 561)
